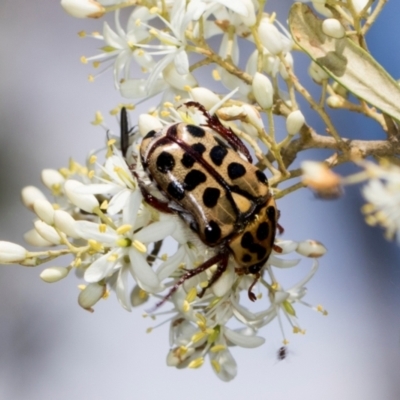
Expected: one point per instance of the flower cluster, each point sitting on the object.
(98, 214)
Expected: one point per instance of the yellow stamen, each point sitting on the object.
(111, 142)
(217, 348)
(187, 88)
(197, 363)
(81, 287)
(91, 174)
(106, 294)
(199, 336)
(102, 228)
(96, 64)
(143, 294)
(149, 330)
(98, 247)
(185, 306)
(123, 242)
(164, 257)
(139, 246)
(77, 262)
(84, 60)
(98, 118)
(82, 34)
(285, 342)
(192, 294)
(91, 78)
(203, 284)
(154, 10)
(92, 159)
(56, 189)
(165, 113)
(124, 229)
(216, 75)
(112, 257)
(216, 365)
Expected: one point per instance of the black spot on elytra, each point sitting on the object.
(187, 160)
(247, 240)
(149, 135)
(246, 258)
(193, 179)
(165, 162)
(236, 170)
(261, 177)
(199, 148)
(176, 190)
(271, 213)
(262, 231)
(212, 232)
(211, 196)
(195, 131)
(260, 250)
(217, 154)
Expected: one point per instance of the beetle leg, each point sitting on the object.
(280, 228)
(220, 270)
(252, 296)
(153, 201)
(277, 248)
(215, 124)
(193, 272)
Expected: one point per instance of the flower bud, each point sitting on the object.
(51, 177)
(294, 122)
(335, 101)
(65, 223)
(44, 210)
(205, 97)
(54, 274)
(148, 123)
(319, 6)
(11, 252)
(34, 239)
(321, 179)
(86, 202)
(47, 232)
(263, 91)
(311, 248)
(83, 8)
(333, 28)
(30, 194)
(270, 37)
(89, 296)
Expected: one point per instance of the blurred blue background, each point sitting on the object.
(51, 348)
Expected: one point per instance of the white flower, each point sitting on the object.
(383, 195)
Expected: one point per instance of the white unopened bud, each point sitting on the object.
(359, 5)
(335, 101)
(34, 239)
(319, 5)
(65, 223)
(294, 122)
(332, 27)
(254, 120)
(231, 113)
(54, 274)
(263, 91)
(177, 80)
(86, 202)
(47, 232)
(148, 123)
(30, 194)
(83, 8)
(11, 252)
(89, 296)
(321, 179)
(270, 37)
(44, 210)
(311, 248)
(317, 73)
(205, 97)
(51, 177)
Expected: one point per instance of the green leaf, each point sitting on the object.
(345, 61)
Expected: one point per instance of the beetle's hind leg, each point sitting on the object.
(221, 268)
(196, 271)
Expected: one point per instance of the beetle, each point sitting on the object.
(207, 175)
